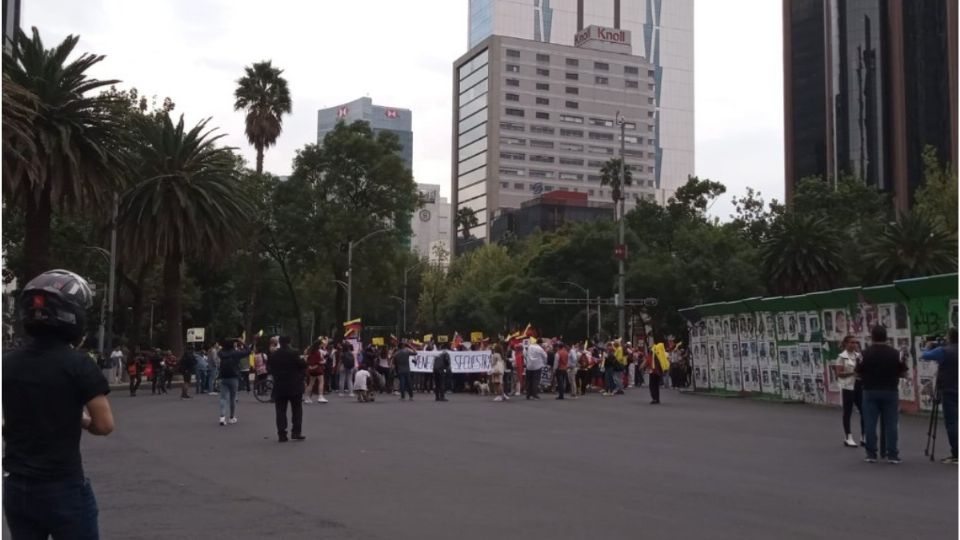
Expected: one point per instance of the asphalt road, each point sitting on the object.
(692, 467)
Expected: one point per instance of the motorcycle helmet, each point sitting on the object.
(56, 302)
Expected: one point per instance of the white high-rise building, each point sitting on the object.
(662, 33)
(431, 223)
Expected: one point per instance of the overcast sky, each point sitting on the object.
(333, 52)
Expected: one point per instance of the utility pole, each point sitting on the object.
(621, 247)
(405, 273)
(350, 246)
(111, 293)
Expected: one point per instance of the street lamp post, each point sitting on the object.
(587, 293)
(350, 246)
(111, 293)
(621, 316)
(405, 273)
(403, 304)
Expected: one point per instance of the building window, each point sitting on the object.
(543, 115)
(631, 70)
(600, 150)
(511, 172)
(513, 141)
(601, 136)
(543, 72)
(632, 139)
(651, 73)
(519, 156)
(649, 101)
(571, 119)
(543, 101)
(541, 159)
(513, 53)
(631, 84)
(513, 82)
(541, 144)
(573, 90)
(541, 129)
(590, 192)
(593, 178)
(513, 97)
(571, 161)
(534, 173)
(601, 122)
(573, 76)
(505, 185)
(513, 68)
(543, 86)
(514, 112)
(572, 105)
(518, 185)
(548, 187)
(651, 87)
(511, 126)
(570, 176)
(594, 164)
(573, 62)
(571, 133)
(601, 80)
(601, 66)
(571, 147)
(629, 125)
(543, 58)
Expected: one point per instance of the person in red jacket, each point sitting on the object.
(315, 370)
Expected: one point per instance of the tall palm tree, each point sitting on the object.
(187, 201)
(19, 112)
(610, 176)
(75, 159)
(802, 254)
(912, 247)
(263, 93)
(466, 219)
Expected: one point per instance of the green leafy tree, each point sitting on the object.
(803, 254)
(610, 175)
(754, 217)
(263, 93)
(937, 197)
(186, 202)
(915, 246)
(465, 219)
(74, 157)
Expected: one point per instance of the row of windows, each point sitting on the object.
(575, 177)
(575, 62)
(522, 186)
(601, 81)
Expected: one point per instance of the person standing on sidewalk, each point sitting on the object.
(348, 367)
(401, 365)
(536, 360)
(231, 355)
(203, 372)
(288, 370)
(315, 365)
(213, 359)
(51, 393)
(946, 359)
(134, 369)
(116, 362)
(880, 372)
(850, 390)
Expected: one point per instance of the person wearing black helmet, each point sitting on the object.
(50, 393)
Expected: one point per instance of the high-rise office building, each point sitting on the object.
(431, 223)
(867, 85)
(11, 22)
(662, 33)
(532, 117)
(393, 119)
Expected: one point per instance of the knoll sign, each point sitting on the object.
(601, 34)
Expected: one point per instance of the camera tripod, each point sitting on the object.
(932, 428)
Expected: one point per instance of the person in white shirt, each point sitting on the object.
(360, 385)
(116, 363)
(572, 370)
(536, 359)
(851, 393)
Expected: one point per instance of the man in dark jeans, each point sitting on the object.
(288, 370)
(946, 359)
(880, 373)
(441, 365)
(401, 364)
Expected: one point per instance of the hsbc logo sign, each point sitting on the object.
(342, 112)
(601, 33)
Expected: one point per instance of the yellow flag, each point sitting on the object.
(427, 338)
(378, 341)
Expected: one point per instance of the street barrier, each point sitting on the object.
(782, 346)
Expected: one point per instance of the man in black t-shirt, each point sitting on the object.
(50, 393)
(401, 363)
(880, 372)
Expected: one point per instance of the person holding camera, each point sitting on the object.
(51, 392)
(946, 359)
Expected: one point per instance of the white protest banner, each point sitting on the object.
(460, 361)
(195, 335)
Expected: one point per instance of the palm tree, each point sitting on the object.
(610, 176)
(263, 93)
(802, 254)
(73, 159)
(187, 202)
(19, 112)
(466, 219)
(913, 247)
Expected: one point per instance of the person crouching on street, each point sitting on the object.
(361, 385)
